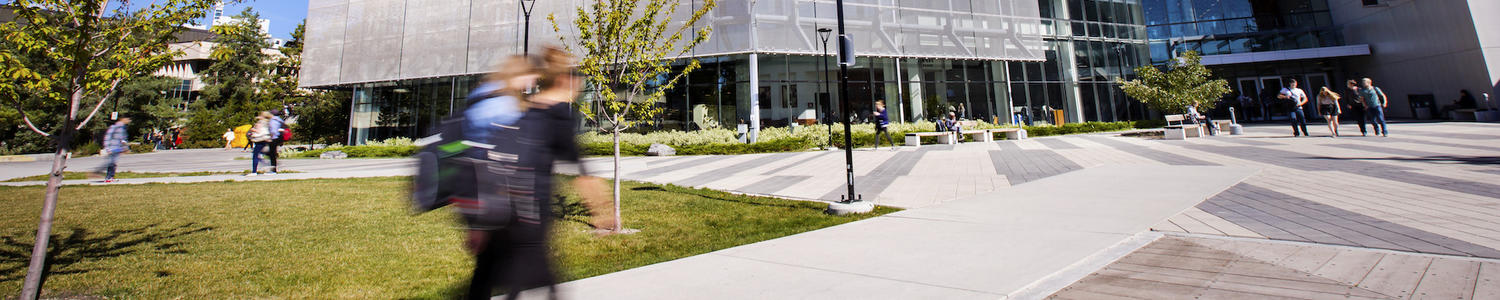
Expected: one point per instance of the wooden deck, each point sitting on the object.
(1186, 267)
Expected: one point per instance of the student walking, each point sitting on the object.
(229, 139)
(260, 134)
(114, 144)
(1328, 104)
(1298, 98)
(515, 255)
(882, 122)
(1353, 107)
(1375, 101)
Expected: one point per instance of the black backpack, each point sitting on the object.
(453, 170)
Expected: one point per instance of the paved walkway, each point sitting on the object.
(986, 246)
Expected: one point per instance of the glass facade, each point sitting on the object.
(1214, 27)
(1089, 46)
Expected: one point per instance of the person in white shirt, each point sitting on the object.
(229, 139)
(1298, 98)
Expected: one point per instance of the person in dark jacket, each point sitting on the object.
(515, 256)
(1353, 106)
(882, 121)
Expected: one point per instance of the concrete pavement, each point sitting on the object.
(984, 246)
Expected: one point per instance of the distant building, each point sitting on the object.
(1415, 50)
(410, 63)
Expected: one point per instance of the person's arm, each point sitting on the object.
(1384, 101)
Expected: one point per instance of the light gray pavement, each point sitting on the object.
(979, 247)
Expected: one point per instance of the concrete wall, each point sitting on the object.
(1421, 47)
(1486, 15)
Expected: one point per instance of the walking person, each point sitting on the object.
(1375, 103)
(114, 144)
(882, 124)
(1328, 103)
(260, 135)
(1298, 98)
(229, 139)
(278, 136)
(1354, 107)
(515, 256)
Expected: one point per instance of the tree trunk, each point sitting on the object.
(32, 287)
(619, 224)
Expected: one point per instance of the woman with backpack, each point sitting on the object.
(516, 251)
(261, 136)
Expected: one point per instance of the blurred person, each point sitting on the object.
(1465, 101)
(1328, 104)
(260, 135)
(229, 139)
(497, 101)
(1298, 98)
(1353, 107)
(515, 256)
(278, 136)
(1375, 103)
(114, 144)
(1200, 119)
(882, 122)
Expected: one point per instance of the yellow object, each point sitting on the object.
(1057, 117)
(239, 136)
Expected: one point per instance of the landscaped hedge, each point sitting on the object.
(396, 147)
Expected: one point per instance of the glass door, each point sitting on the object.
(1314, 86)
(1270, 87)
(1248, 102)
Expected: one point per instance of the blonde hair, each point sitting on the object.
(553, 63)
(1329, 93)
(510, 68)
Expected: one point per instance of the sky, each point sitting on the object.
(284, 14)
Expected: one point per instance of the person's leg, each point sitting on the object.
(1385, 129)
(109, 165)
(481, 285)
(274, 154)
(1370, 116)
(255, 157)
(1294, 119)
(1302, 121)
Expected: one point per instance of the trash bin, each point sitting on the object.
(1422, 106)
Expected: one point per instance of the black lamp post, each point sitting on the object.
(526, 6)
(825, 33)
(846, 49)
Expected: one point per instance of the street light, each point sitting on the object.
(846, 58)
(825, 33)
(526, 6)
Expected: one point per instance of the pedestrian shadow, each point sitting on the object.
(1443, 159)
(69, 247)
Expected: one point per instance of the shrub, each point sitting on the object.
(89, 149)
(390, 148)
(142, 148)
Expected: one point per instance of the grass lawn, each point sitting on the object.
(343, 238)
(123, 175)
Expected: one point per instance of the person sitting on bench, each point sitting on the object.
(1200, 119)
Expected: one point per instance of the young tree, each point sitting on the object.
(1185, 83)
(93, 46)
(231, 95)
(628, 47)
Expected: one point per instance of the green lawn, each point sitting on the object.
(346, 238)
(123, 175)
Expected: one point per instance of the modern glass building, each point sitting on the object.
(1415, 50)
(409, 63)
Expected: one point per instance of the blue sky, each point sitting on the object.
(284, 14)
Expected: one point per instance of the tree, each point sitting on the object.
(90, 46)
(1185, 83)
(231, 95)
(628, 47)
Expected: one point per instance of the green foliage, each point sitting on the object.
(89, 149)
(627, 49)
(1186, 83)
(232, 95)
(390, 148)
(142, 148)
(63, 60)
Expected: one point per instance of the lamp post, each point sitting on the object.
(845, 49)
(526, 6)
(825, 33)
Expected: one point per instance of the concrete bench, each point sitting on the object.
(978, 135)
(915, 138)
(1010, 133)
(1177, 129)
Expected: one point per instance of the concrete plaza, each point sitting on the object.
(1263, 215)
